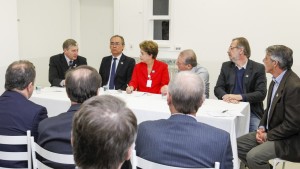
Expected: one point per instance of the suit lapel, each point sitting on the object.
(232, 76)
(120, 64)
(247, 75)
(64, 63)
(278, 93)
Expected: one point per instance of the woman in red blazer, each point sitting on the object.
(150, 75)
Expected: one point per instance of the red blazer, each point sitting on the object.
(159, 76)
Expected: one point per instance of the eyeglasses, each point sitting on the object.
(115, 44)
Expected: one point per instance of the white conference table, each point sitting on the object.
(147, 106)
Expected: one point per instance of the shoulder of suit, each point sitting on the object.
(57, 56)
(81, 58)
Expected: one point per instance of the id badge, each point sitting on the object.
(149, 83)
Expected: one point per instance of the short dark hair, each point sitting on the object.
(104, 129)
(187, 92)
(82, 83)
(119, 36)
(69, 42)
(150, 47)
(19, 75)
(243, 43)
(282, 54)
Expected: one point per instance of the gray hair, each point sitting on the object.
(189, 57)
(282, 54)
(187, 92)
(104, 129)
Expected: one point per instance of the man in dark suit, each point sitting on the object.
(123, 66)
(181, 141)
(82, 83)
(17, 113)
(278, 134)
(60, 63)
(242, 79)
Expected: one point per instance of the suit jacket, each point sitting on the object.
(159, 76)
(181, 141)
(203, 73)
(55, 135)
(284, 117)
(123, 72)
(17, 115)
(58, 67)
(254, 84)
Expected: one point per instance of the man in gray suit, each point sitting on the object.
(181, 141)
(278, 134)
(187, 60)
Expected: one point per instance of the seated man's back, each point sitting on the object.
(183, 142)
(17, 113)
(82, 83)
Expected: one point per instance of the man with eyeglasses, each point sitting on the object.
(243, 80)
(187, 61)
(116, 69)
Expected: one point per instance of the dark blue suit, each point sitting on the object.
(55, 135)
(181, 141)
(17, 115)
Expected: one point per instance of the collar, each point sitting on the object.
(278, 79)
(181, 114)
(67, 59)
(244, 66)
(118, 57)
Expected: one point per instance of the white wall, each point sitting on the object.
(208, 26)
(45, 24)
(9, 51)
(96, 29)
(43, 27)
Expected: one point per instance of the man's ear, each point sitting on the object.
(129, 153)
(169, 99)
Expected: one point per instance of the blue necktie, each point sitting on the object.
(70, 64)
(112, 75)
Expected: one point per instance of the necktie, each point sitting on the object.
(70, 64)
(112, 75)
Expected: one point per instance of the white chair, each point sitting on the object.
(145, 164)
(276, 161)
(16, 156)
(51, 156)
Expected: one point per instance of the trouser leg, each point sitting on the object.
(259, 156)
(244, 144)
(254, 122)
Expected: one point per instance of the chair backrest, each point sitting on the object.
(145, 164)
(17, 156)
(276, 161)
(48, 155)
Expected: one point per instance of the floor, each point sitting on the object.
(288, 165)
